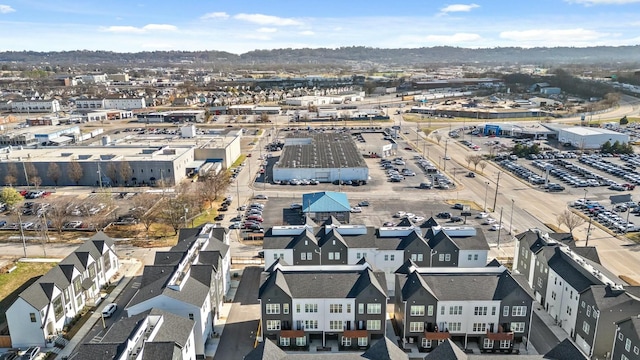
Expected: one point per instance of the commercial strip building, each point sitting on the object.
(195, 116)
(326, 157)
(111, 103)
(42, 310)
(126, 162)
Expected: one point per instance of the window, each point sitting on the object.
(505, 344)
(447, 257)
(273, 324)
(374, 309)
(335, 325)
(346, 341)
(475, 257)
(348, 308)
(311, 324)
(442, 310)
(360, 308)
(386, 258)
(416, 326)
(417, 257)
(430, 310)
(301, 341)
(585, 327)
(595, 313)
(32, 316)
(569, 310)
(627, 345)
(273, 309)
(58, 309)
(392, 257)
(539, 282)
(620, 336)
(334, 255)
(454, 326)
(469, 257)
(588, 310)
(303, 256)
(623, 357)
(441, 257)
(335, 308)
(517, 327)
(479, 327)
(285, 308)
(493, 311)
(518, 311)
(582, 304)
(426, 343)
(487, 343)
(275, 256)
(311, 308)
(190, 316)
(417, 310)
(636, 350)
(455, 310)
(480, 310)
(505, 311)
(374, 324)
(285, 341)
(363, 341)
(358, 255)
(298, 308)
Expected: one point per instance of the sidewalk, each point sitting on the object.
(212, 344)
(128, 269)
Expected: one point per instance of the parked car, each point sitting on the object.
(363, 203)
(455, 219)
(471, 174)
(109, 310)
(444, 215)
(356, 209)
(31, 353)
(458, 206)
(495, 227)
(219, 217)
(295, 206)
(482, 215)
(261, 197)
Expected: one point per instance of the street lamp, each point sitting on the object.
(511, 221)
(486, 191)
(432, 252)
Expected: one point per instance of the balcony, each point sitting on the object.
(500, 335)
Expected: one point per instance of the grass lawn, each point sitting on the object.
(19, 279)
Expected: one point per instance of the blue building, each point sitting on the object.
(322, 205)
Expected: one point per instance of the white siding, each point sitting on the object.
(24, 333)
(564, 307)
(323, 316)
(352, 254)
(269, 256)
(464, 262)
(467, 318)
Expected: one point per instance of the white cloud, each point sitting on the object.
(603, 2)
(459, 8)
(453, 38)
(159, 27)
(262, 19)
(267, 30)
(139, 30)
(307, 33)
(553, 36)
(215, 15)
(5, 9)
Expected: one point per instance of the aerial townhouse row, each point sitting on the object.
(385, 248)
(596, 308)
(42, 310)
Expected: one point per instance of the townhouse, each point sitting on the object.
(383, 349)
(448, 350)
(190, 280)
(385, 248)
(314, 304)
(35, 106)
(626, 341)
(582, 296)
(110, 103)
(42, 310)
(153, 334)
(486, 305)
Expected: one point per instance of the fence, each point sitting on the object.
(246, 260)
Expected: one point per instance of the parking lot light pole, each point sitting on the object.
(486, 191)
(511, 221)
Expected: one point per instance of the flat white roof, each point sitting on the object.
(585, 131)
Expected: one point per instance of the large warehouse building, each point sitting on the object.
(588, 137)
(326, 157)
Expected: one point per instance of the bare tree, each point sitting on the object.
(12, 174)
(31, 172)
(483, 164)
(144, 209)
(53, 173)
(213, 185)
(475, 160)
(468, 158)
(58, 213)
(570, 220)
(125, 172)
(36, 181)
(112, 173)
(75, 172)
(438, 137)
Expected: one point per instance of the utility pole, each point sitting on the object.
(499, 227)
(26, 176)
(495, 198)
(588, 231)
(444, 167)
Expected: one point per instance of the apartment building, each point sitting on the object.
(574, 288)
(385, 248)
(342, 304)
(486, 305)
(383, 349)
(111, 103)
(35, 106)
(190, 280)
(42, 310)
(626, 342)
(154, 334)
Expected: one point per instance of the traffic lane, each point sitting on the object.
(239, 335)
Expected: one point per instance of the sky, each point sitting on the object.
(238, 26)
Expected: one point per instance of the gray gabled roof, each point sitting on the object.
(331, 235)
(448, 350)
(166, 350)
(439, 237)
(471, 286)
(566, 350)
(412, 284)
(266, 350)
(168, 257)
(385, 349)
(175, 329)
(607, 298)
(100, 351)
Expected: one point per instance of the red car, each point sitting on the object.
(255, 218)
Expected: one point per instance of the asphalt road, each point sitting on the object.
(239, 333)
(542, 338)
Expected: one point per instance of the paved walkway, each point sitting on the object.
(128, 269)
(212, 344)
